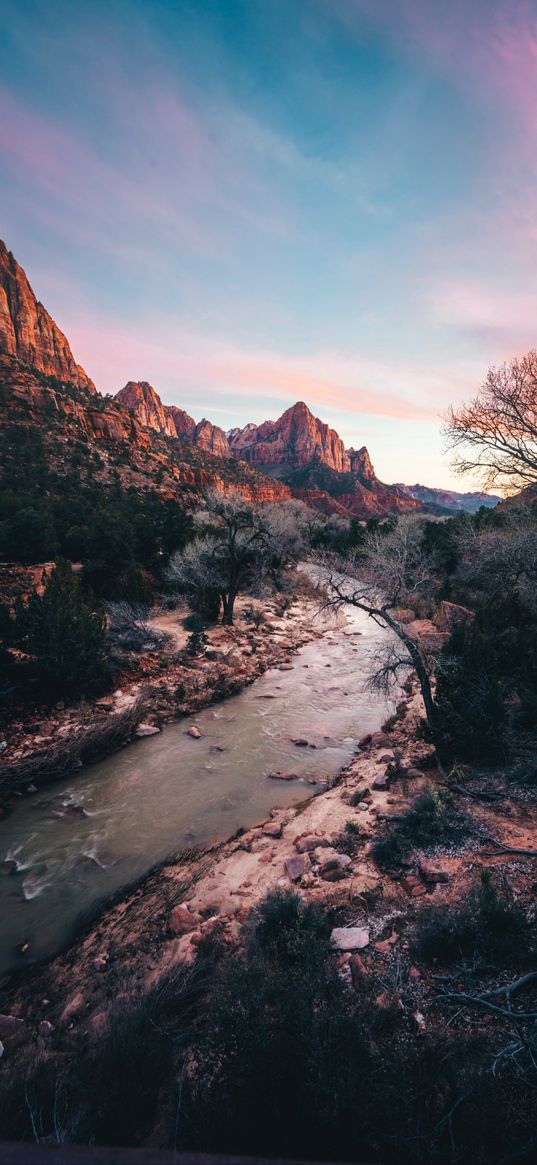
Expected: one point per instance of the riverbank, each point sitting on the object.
(324, 849)
(161, 921)
(156, 688)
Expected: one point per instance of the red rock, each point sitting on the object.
(358, 972)
(413, 886)
(28, 333)
(182, 920)
(140, 398)
(273, 829)
(295, 867)
(296, 439)
(429, 873)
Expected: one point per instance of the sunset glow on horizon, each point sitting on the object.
(253, 202)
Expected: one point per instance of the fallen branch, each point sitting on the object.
(484, 796)
(510, 988)
(509, 849)
(478, 1001)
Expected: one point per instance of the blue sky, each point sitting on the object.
(250, 202)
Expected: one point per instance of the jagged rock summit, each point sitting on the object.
(27, 331)
(293, 441)
(140, 397)
(142, 400)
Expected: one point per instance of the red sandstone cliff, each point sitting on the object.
(294, 440)
(141, 399)
(27, 332)
(144, 402)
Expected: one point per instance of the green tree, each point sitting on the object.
(65, 634)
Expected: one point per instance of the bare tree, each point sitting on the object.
(243, 543)
(503, 560)
(495, 436)
(391, 571)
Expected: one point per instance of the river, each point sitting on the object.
(88, 835)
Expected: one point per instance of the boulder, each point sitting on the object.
(182, 921)
(273, 829)
(382, 781)
(404, 615)
(295, 867)
(333, 864)
(146, 730)
(194, 732)
(279, 776)
(350, 938)
(450, 615)
(429, 873)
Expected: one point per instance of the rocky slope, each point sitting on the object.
(110, 442)
(28, 333)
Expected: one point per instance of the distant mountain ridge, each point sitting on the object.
(298, 448)
(296, 454)
(450, 500)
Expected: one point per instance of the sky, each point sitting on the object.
(253, 202)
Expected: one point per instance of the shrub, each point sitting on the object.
(196, 643)
(129, 629)
(65, 634)
(487, 925)
(431, 821)
(283, 1053)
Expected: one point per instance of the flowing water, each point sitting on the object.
(88, 835)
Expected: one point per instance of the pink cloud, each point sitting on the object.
(185, 365)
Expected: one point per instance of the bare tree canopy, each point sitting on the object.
(242, 544)
(495, 436)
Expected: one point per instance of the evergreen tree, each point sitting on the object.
(65, 635)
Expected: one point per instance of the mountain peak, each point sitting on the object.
(296, 439)
(27, 331)
(141, 397)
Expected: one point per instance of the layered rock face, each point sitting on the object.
(361, 464)
(27, 332)
(141, 398)
(295, 440)
(211, 438)
(184, 425)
